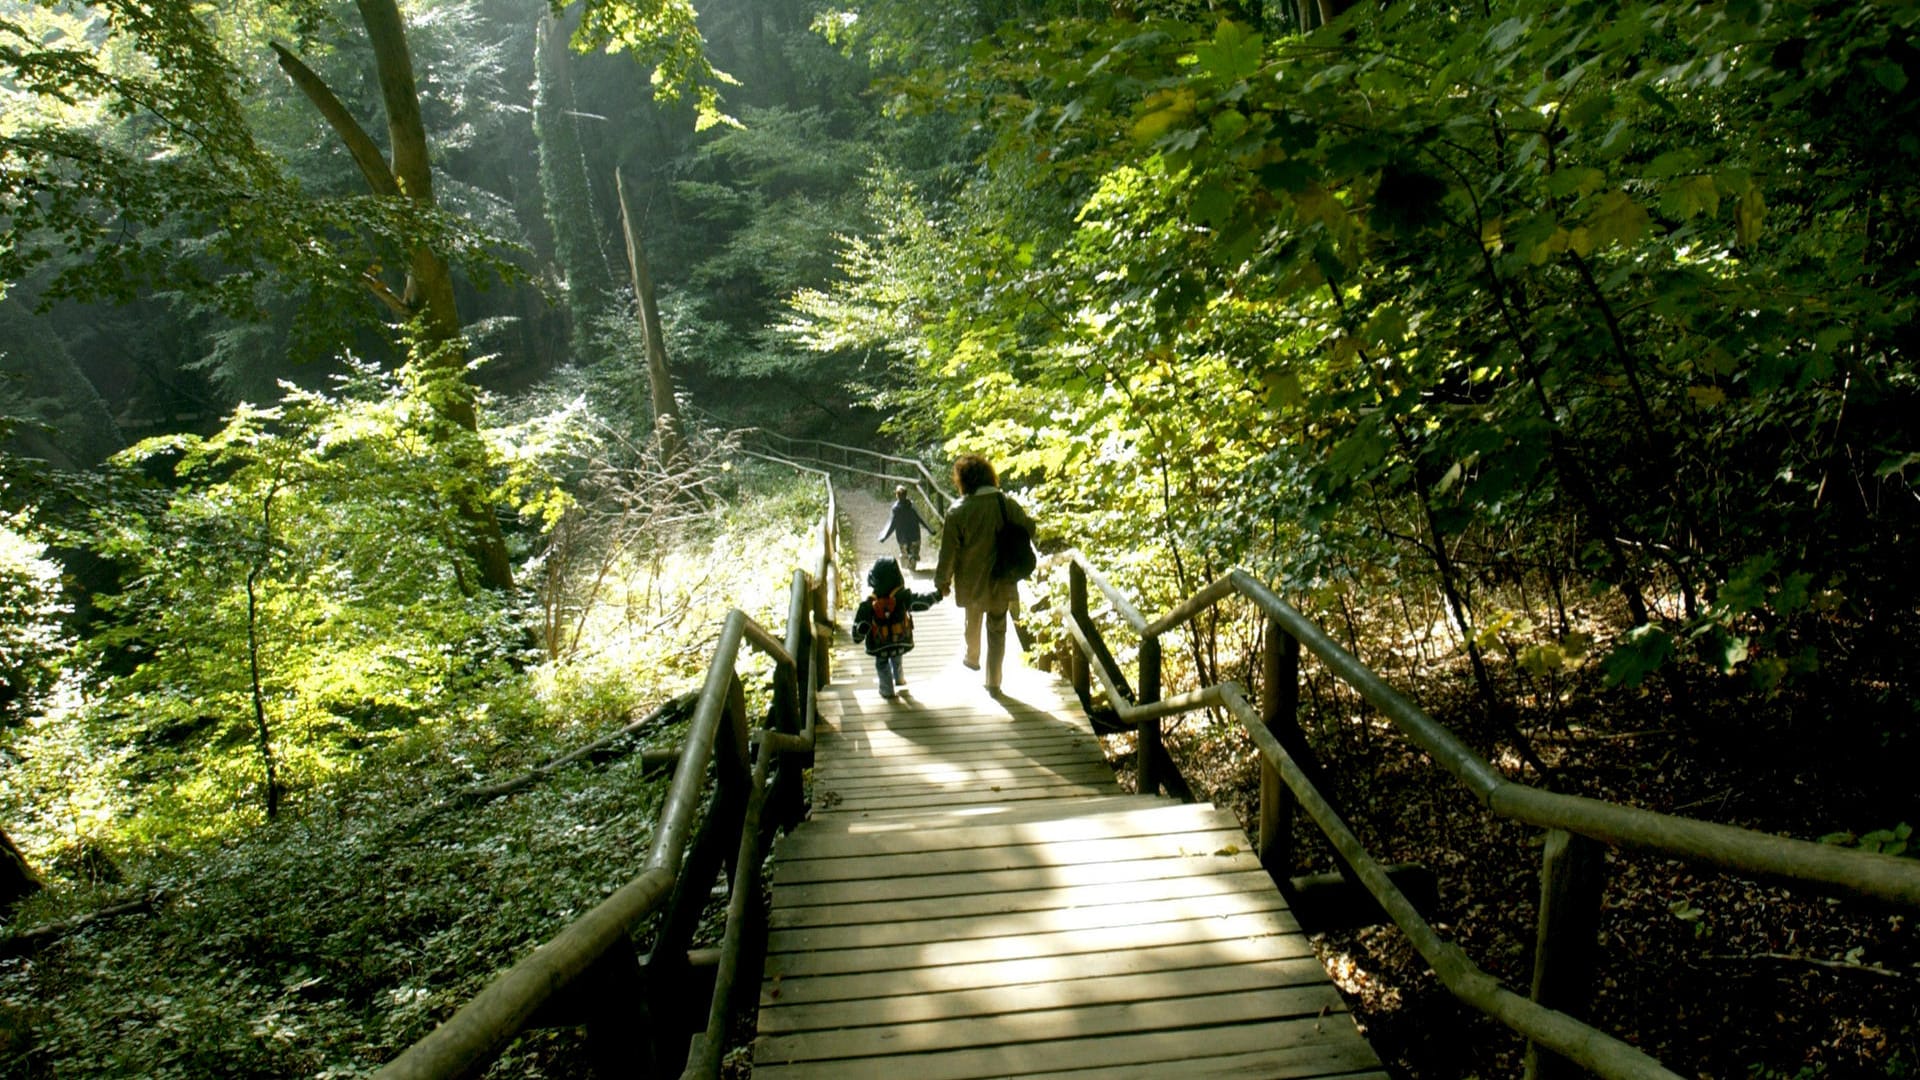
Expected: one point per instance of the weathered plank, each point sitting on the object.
(825, 824)
(1043, 921)
(927, 769)
(995, 902)
(966, 797)
(1027, 946)
(891, 749)
(985, 777)
(1272, 1007)
(1255, 1066)
(1308, 981)
(1293, 954)
(1298, 1048)
(1060, 747)
(1140, 818)
(869, 890)
(1014, 856)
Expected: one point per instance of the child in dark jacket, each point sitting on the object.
(884, 621)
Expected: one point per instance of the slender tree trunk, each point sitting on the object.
(566, 192)
(1658, 437)
(666, 412)
(262, 733)
(1449, 578)
(1449, 581)
(1601, 522)
(17, 879)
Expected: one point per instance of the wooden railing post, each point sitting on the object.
(733, 766)
(1077, 611)
(1151, 755)
(786, 803)
(711, 851)
(822, 654)
(1279, 711)
(1572, 874)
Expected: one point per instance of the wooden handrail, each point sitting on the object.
(1122, 603)
(1429, 734)
(1578, 1042)
(470, 1039)
(915, 463)
(923, 484)
(1741, 851)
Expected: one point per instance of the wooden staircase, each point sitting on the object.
(974, 897)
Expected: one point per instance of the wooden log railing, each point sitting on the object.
(589, 974)
(857, 461)
(1577, 829)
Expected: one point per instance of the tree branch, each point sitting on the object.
(479, 793)
(366, 153)
(30, 941)
(1796, 958)
(385, 294)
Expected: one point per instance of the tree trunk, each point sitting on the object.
(17, 879)
(666, 412)
(262, 732)
(566, 193)
(429, 295)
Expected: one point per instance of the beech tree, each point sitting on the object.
(426, 300)
(1496, 293)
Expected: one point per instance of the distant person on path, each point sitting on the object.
(904, 526)
(966, 561)
(884, 620)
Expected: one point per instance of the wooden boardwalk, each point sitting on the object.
(974, 897)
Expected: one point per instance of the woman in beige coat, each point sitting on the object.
(966, 561)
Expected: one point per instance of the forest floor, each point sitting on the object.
(1714, 975)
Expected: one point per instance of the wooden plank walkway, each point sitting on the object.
(974, 897)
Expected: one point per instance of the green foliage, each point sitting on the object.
(328, 942)
(1622, 295)
(193, 154)
(323, 537)
(33, 607)
(664, 33)
(1894, 841)
(62, 420)
(139, 161)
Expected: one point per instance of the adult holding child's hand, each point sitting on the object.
(969, 543)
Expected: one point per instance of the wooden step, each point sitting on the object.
(975, 897)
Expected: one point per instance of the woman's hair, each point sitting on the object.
(900, 491)
(971, 472)
(885, 576)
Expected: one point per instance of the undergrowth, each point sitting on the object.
(323, 942)
(1713, 974)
